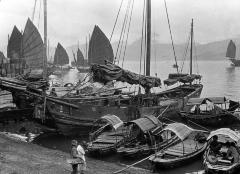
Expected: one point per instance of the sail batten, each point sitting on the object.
(80, 58)
(231, 50)
(100, 48)
(32, 46)
(61, 56)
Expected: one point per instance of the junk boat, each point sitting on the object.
(211, 111)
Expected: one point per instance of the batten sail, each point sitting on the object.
(32, 46)
(80, 58)
(231, 50)
(14, 44)
(100, 48)
(61, 56)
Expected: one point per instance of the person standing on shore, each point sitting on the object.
(78, 161)
(81, 154)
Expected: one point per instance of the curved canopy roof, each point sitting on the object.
(181, 130)
(113, 120)
(226, 132)
(146, 123)
(199, 101)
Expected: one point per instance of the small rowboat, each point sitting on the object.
(140, 140)
(108, 137)
(191, 145)
(222, 162)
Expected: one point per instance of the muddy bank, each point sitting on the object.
(21, 158)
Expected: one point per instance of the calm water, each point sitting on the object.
(219, 79)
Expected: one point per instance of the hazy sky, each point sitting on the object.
(70, 21)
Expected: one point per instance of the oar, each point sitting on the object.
(141, 160)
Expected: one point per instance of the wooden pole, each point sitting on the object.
(191, 50)
(45, 40)
(148, 52)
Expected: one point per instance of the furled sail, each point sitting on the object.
(14, 44)
(80, 58)
(32, 46)
(60, 56)
(231, 50)
(109, 72)
(179, 77)
(100, 48)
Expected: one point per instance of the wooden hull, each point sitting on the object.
(235, 62)
(179, 161)
(215, 168)
(71, 120)
(218, 120)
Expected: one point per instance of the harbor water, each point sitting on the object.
(218, 77)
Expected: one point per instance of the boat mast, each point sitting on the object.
(191, 50)
(148, 52)
(45, 40)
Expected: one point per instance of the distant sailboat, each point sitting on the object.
(80, 62)
(99, 51)
(14, 52)
(231, 53)
(14, 44)
(100, 48)
(61, 60)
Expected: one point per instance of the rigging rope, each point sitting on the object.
(116, 20)
(169, 26)
(40, 9)
(185, 52)
(121, 35)
(195, 55)
(124, 32)
(129, 25)
(34, 8)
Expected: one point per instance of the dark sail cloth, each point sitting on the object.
(109, 72)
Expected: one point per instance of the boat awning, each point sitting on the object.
(198, 101)
(226, 132)
(146, 123)
(115, 121)
(181, 130)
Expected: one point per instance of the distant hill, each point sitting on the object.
(209, 51)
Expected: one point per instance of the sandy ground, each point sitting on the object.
(24, 158)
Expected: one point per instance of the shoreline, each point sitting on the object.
(18, 157)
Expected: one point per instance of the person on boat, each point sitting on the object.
(53, 92)
(215, 146)
(232, 152)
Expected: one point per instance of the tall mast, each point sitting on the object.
(191, 50)
(45, 39)
(148, 52)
